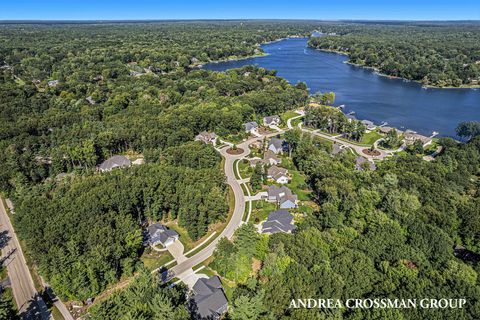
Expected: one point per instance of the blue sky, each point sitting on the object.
(226, 9)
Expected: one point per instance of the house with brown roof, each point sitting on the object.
(207, 137)
(411, 136)
(271, 158)
(279, 175)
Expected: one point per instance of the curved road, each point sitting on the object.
(184, 268)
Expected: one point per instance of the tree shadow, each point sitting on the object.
(4, 238)
(36, 310)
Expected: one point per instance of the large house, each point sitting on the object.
(251, 127)
(271, 121)
(159, 234)
(114, 162)
(337, 148)
(411, 136)
(207, 137)
(283, 196)
(270, 158)
(361, 163)
(369, 125)
(210, 298)
(279, 175)
(278, 221)
(276, 145)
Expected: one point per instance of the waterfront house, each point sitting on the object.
(114, 162)
(271, 121)
(159, 234)
(278, 221)
(279, 175)
(411, 136)
(369, 125)
(209, 298)
(207, 137)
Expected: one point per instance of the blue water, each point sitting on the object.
(404, 105)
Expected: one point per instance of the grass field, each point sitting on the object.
(156, 259)
(260, 210)
(370, 137)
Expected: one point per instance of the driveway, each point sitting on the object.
(176, 250)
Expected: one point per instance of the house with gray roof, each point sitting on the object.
(283, 196)
(53, 83)
(251, 127)
(159, 234)
(254, 161)
(114, 162)
(279, 175)
(270, 158)
(276, 145)
(271, 121)
(361, 163)
(207, 137)
(209, 298)
(278, 221)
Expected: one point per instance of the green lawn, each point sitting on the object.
(244, 168)
(155, 259)
(287, 115)
(260, 210)
(370, 137)
(235, 169)
(296, 122)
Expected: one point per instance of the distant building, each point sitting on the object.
(271, 121)
(207, 137)
(159, 234)
(90, 100)
(278, 221)
(53, 83)
(270, 158)
(251, 127)
(114, 162)
(209, 297)
(361, 163)
(385, 130)
(283, 196)
(279, 175)
(276, 145)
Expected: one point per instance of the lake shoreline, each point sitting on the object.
(378, 72)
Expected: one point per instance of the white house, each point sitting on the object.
(276, 145)
(251, 127)
(207, 137)
(279, 175)
(271, 121)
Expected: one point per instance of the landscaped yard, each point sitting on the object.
(370, 137)
(260, 210)
(155, 259)
(244, 169)
(287, 115)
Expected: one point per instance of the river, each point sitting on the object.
(405, 105)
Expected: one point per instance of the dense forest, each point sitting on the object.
(385, 233)
(73, 95)
(443, 55)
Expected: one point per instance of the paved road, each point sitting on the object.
(30, 305)
(184, 267)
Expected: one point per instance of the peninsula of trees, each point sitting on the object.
(441, 55)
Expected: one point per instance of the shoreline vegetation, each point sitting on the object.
(379, 73)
